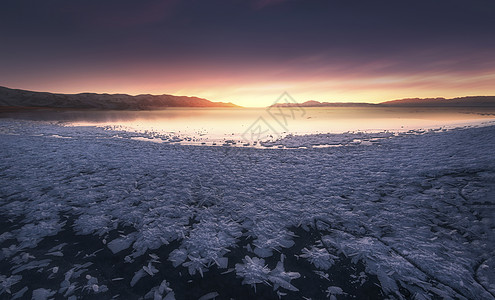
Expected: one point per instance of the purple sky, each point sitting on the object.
(249, 52)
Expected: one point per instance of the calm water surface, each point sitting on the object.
(217, 124)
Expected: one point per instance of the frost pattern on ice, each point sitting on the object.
(416, 209)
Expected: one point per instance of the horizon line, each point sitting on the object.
(326, 101)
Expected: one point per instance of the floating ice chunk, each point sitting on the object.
(164, 287)
(99, 288)
(56, 253)
(153, 294)
(263, 252)
(209, 296)
(85, 265)
(319, 257)
(6, 236)
(137, 276)
(154, 257)
(20, 293)
(57, 248)
(92, 285)
(42, 294)
(170, 296)
(178, 256)
(59, 136)
(196, 264)
(222, 262)
(8, 252)
(279, 277)
(334, 290)
(64, 284)
(91, 280)
(26, 256)
(68, 274)
(143, 139)
(150, 269)
(157, 292)
(68, 288)
(122, 243)
(322, 275)
(32, 265)
(93, 254)
(7, 282)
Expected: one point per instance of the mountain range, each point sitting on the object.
(471, 101)
(15, 98)
(21, 98)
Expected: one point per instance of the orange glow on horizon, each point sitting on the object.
(260, 88)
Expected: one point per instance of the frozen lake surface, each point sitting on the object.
(94, 213)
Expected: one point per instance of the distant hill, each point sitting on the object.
(313, 103)
(472, 101)
(461, 101)
(22, 98)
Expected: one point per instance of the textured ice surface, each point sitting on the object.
(416, 210)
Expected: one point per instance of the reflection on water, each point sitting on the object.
(228, 123)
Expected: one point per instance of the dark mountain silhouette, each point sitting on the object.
(471, 101)
(313, 103)
(12, 98)
(460, 101)
(22, 98)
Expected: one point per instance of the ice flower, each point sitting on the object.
(334, 290)
(279, 277)
(253, 270)
(319, 257)
(196, 264)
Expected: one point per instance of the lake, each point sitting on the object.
(217, 125)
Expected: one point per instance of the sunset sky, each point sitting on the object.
(250, 51)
